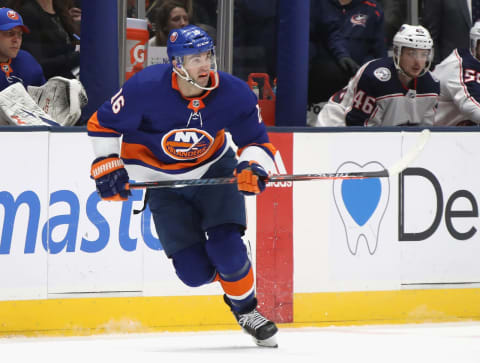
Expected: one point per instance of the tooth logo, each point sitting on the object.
(361, 204)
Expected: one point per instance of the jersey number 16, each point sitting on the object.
(117, 101)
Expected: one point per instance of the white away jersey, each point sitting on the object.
(459, 76)
(376, 97)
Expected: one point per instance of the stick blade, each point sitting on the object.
(411, 155)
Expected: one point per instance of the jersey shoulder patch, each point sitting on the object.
(383, 74)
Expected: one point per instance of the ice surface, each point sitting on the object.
(425, 343)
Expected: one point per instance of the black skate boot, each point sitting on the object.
(260, 328)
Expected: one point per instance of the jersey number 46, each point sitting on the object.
(365, 104)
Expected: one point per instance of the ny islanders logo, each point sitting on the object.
(173, 37)
(13, 15)
(187, 144)
(361, 204)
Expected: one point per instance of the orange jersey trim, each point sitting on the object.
(240, 287)
(268, 146)
(93, 125)
(6, 68)
(373, 5)
(143, 153)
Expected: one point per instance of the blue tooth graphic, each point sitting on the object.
(361, 204)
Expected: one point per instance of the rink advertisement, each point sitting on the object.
(399, 249)
(94, 247)
(416, 230)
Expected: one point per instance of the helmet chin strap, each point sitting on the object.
(401, 71)
(189, 79)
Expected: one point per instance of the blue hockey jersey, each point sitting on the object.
(23, 68)
(166, 135)
(355, 30)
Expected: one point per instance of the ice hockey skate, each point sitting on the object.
(255, 324)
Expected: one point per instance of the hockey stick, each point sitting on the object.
(395, 169)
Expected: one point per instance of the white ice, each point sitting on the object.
(425, 343)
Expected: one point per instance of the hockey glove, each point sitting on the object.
(348, 65)
(251, 178)
(111, 178)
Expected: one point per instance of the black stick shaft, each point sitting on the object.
(273, 179)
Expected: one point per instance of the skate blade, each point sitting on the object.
(269, 342)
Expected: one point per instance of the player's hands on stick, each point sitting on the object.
(111, 178)
(251, 177)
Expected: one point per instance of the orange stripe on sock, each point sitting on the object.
(240, 287)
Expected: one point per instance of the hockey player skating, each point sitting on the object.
(459, 75)
(389, 91)
(173, 120)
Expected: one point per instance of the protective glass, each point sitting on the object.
(196, 61)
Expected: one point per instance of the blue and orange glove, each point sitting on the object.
(251, 177)
(111, 178)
